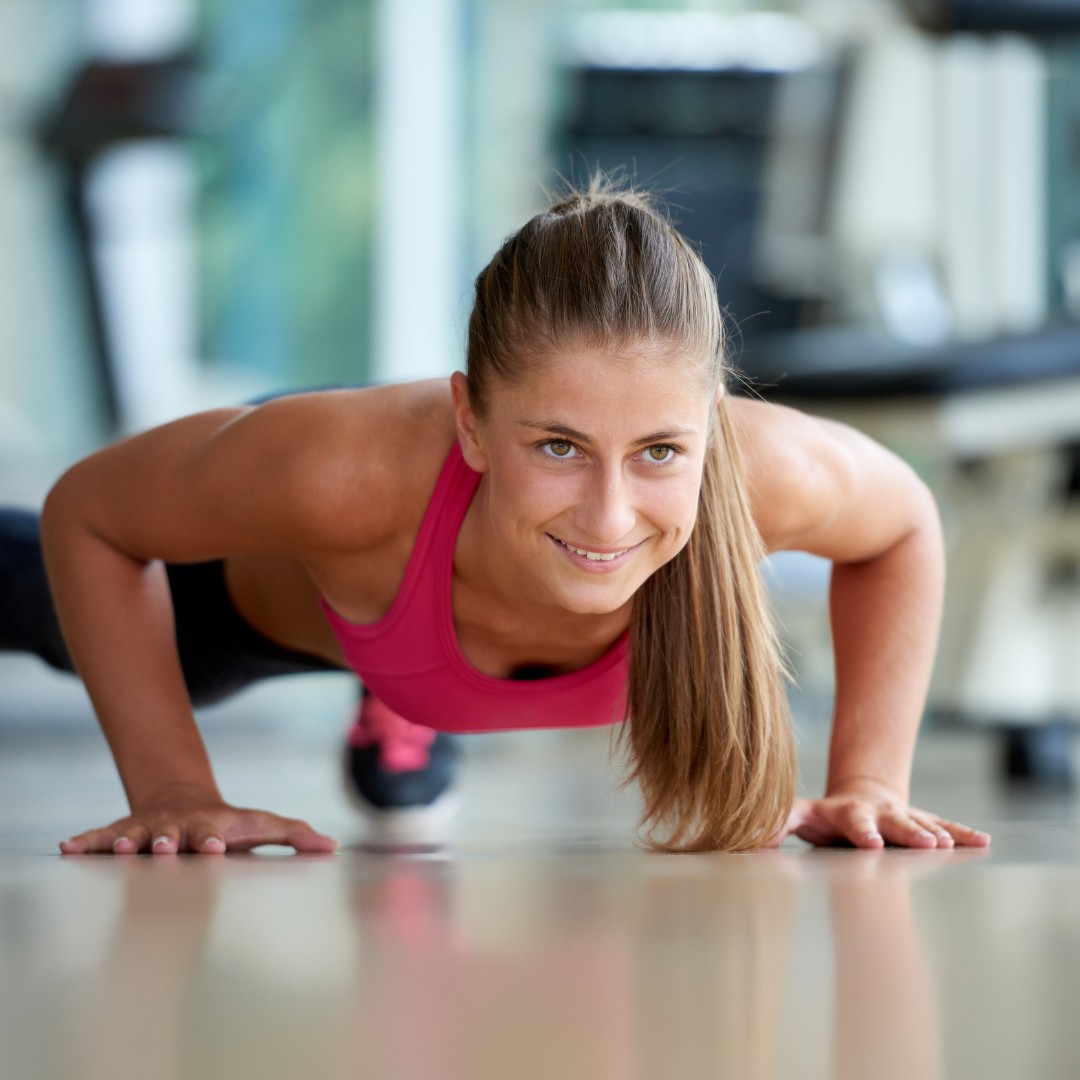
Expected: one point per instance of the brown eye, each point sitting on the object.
(559, 447)
(660, 454)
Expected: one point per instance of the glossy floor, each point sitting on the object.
(541, 943)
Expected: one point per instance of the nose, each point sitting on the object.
(606, 514)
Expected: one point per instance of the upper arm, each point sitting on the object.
(276, 478)
(819, 486)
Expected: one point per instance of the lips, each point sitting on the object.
(594, 558)
(593, 554)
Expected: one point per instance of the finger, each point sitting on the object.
(823, 835)
(91, 842)
(903, 830)
(303, 838)
(206, 839)
(166, 841)
(859, 827)
(255, 829)
(862, 830)
(816, 827)
(801, 811)
(965, 836)
(941, 835)
(76, 845)
(809, 824)
(131, 839)
(814, 834)
(934, 825)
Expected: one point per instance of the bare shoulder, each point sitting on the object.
(821, 486)
(779, 448)
(308, 473)
(364, 462)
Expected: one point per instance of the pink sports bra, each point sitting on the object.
(410, 658)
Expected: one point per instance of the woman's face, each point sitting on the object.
(593, 466)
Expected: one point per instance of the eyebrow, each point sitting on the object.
(581, 437)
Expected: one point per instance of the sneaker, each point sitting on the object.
(400, 776)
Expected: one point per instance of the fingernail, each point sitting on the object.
(213, 842)
(161, 841)
(118, 841)
(872, 836)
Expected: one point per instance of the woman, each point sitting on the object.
(568, 535)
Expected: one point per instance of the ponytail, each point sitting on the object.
(708, 727)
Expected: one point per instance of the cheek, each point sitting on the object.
(678, 529)
(674, 509)
(528, 497)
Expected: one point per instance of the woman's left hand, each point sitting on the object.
(868, 814)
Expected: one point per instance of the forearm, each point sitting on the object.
(886, 614)
(116, 614)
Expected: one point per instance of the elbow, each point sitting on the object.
(63, 514)
(61, 499)
(919, 551)
(57, 505)
(926, 514)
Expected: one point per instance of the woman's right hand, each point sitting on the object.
(193, 821)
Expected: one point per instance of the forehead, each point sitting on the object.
(632, 382)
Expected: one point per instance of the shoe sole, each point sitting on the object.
(408, 826)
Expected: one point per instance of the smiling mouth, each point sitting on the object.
(592, 556)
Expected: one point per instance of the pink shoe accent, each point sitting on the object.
(402, 745)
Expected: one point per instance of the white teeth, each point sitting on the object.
(594, 556)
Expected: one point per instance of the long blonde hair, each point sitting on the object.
(708, 731)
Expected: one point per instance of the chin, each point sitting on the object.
(595, 608)
(595, 601)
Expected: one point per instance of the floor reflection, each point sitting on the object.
(598, 966)
(542, 943)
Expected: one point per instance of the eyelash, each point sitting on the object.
(675, 451)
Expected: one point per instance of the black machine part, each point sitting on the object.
(1037, 17)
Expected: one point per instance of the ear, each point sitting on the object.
(720, 392)
(469, 429)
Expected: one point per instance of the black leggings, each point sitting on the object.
(220, 653)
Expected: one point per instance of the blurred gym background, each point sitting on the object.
(205, 200)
